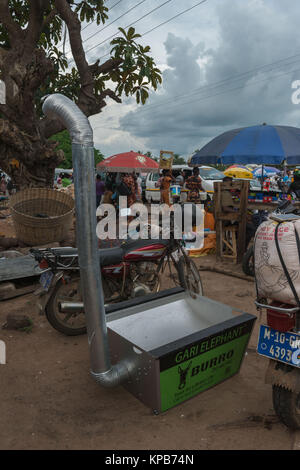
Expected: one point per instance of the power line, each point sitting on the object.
(106, 26)
(212, 96)
(89, 24)
(224, 81)
(128, 26)
(233, 89)
(158, 26)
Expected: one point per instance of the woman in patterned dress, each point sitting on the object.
(194, 186)
(129, 180)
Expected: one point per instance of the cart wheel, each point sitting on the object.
(189, 276)
(287, 406)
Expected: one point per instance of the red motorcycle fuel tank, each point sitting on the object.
(150, 252)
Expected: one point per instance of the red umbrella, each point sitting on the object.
(128, 162)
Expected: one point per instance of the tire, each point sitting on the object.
(287, 406)
(189, 276)
(248, 262)
(60, 321)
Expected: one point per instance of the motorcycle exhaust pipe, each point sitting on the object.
(60, 107)
(71, 307)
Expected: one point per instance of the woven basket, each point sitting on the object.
(41, 216)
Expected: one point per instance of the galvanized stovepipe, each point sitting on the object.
(60, 107)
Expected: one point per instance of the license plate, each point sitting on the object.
(46, 279)
(282, 347)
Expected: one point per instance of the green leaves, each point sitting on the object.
(137, 71)
(136, 75)
(92, 10)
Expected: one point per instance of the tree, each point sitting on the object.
(64, 143)
(178, 160)
(32, 65)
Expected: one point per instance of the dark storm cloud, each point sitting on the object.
(199, 101)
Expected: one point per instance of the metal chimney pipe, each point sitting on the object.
(60, 107)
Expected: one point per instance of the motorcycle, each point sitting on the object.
(279, 341)
(130, 270)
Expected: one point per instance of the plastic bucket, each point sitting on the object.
(175, 190)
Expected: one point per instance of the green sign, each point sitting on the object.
(186, 372)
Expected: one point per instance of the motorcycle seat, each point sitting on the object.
(65, 251)
(111, 256)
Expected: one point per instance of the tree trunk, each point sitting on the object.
(29, 160)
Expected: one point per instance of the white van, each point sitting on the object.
(207, 174)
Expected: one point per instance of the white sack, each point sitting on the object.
(270, 278)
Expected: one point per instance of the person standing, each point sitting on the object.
(100, 188)
(165, 187)
(295, 185)
(194, 186)
(130, 182)
(286, 182)
(180, 178)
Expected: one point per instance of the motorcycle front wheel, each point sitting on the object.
(287, 406)
(71, 324)
(189, 276)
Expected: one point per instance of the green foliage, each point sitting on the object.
(134, 77)
(64, 143)
(178, 160)
(138, 70)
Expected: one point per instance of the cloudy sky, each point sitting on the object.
(225, 63)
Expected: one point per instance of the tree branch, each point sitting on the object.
(74, 27)
(106, 67)
(13, 29)
(35, 24)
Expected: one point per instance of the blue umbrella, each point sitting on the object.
(265, 170)
(256, 144)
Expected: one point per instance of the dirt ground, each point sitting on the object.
(49, 401)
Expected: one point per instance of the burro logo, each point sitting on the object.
(2, 92)
(2, 353)
(183, 375)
